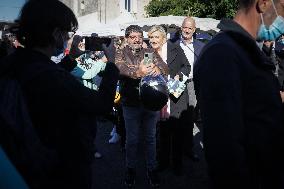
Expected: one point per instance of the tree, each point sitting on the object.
(199, 8)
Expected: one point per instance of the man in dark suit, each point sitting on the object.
(191, 48)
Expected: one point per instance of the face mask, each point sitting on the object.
(275, 30)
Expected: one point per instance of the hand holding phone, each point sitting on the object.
(148, 58)
(143, 69)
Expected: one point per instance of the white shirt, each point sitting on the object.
(164, 52)
(165, 58)
(189, 53)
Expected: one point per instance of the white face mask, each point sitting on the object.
(272, 32)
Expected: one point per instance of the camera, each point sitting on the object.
(96, 43)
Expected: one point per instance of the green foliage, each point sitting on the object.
(199, 8)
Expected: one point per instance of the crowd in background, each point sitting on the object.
(71, 88)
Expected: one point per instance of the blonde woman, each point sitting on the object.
(175, 116)
(158, 41)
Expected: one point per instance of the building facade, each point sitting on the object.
(108, 10)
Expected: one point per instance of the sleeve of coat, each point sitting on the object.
(70, 93)
(219, 86)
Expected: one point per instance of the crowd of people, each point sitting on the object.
(231, 86)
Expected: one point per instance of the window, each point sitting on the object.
(127, 5)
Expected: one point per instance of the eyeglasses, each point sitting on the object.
(71, 34)
(135, 37)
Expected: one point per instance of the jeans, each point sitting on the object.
(136, 117)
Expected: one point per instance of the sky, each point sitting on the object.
(9, 9)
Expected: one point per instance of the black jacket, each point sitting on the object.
(280, 56)
(241, 111)
(59, 106)
(178, 64)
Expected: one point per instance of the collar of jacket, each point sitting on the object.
(228, 25)
(246, 41)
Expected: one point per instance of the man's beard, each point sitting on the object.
(186, 36)
(135, 47)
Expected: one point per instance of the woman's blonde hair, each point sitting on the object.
(159, 29)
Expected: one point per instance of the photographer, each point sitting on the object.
(56, 101)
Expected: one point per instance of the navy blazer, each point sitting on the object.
(197, 46)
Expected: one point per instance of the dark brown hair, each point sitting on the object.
(245, 4)
(39, 18)
(133, 28)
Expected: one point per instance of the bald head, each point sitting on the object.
(188, 28)
(188, 20)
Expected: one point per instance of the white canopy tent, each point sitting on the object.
(204, 24)
(89, 24)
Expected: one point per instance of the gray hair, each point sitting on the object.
(159, 29)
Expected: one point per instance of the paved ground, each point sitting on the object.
(109, 171)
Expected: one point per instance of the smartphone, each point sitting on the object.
(148, 58)
(96, 43)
